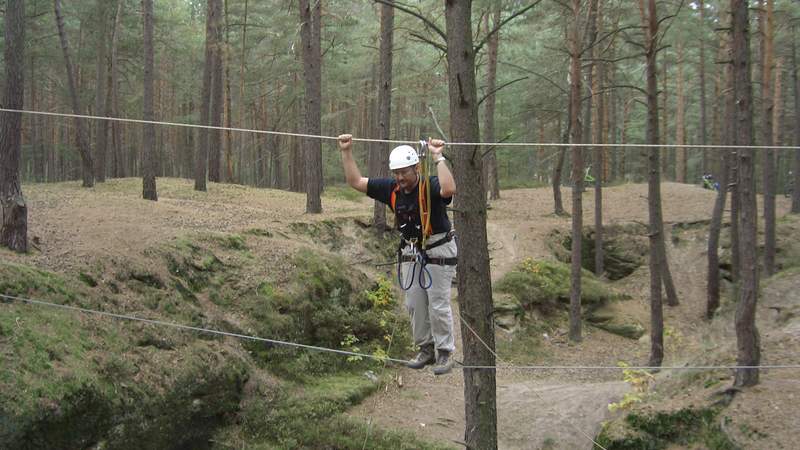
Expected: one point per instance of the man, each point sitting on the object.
(425, 273)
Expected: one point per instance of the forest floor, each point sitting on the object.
(71, 226)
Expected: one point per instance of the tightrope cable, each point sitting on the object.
(364, 355)
(497, 358)
(199, 329)
(395, 141)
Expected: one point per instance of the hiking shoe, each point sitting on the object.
(444, 363)
(424, 357)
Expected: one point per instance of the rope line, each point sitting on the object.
(541, 399)
(364, 355)
(198, 329)
(394, 141)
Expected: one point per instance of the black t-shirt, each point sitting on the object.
(407, 206)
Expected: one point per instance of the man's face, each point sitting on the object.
(406, 177)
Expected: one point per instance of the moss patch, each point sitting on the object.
(281, 420)
(545, 286)
(322, 304)
(657, 430)
(625, 248)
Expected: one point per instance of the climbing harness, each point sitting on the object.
(419, 245)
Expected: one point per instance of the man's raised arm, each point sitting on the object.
(351, 172)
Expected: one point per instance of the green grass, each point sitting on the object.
(660, 429)
(101, 374)
(545, 285)
(343, 192)
(284, 420)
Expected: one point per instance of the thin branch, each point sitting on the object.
(621, 86)
(608, 35)
(556, 85)
(503, 22)
(419, 16)
(422, 38)
(500, 87)
(615, 60)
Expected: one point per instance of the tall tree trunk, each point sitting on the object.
(310, 28)
(723, 133)
(768, 162)
(666, 154)
(747, 337)
(227, 114)
(297, 170)
(558, 204)
(680, 123)
(796, 160)
(597, 163)
(149, 191)
(490, 178)
(777, 107)
(13, 210)
(240, 116)
(202, 153)
(702, 75)
(623, 137)
(712, 291)
(474, 281)
(577, 174)
(83, 148)
(379, 153)
(112, 99)
(38, 124)
(217, 98)
(101, 126)
(650, 24)
(736, 202)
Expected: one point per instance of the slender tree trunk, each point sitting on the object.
(240, 116)
(217, 98)
(380, 152)
(149, 191)
(777, 107)
(202, 153)
(310, 28)
(491, 181)
(666, 154)
(768, 162)
(712, 292)
(227, 110)
(723, 133)
(101, 126)
(558, 169)
(298, 162)
(680, 123)
(747, 337)
(577, 175)
(112, 100)
(623, 137)
(796, 160)
(597, 163)
(13, 209)
(38, 125)
(702, 75)
(736, 202)
(474, 280)
(650, 24)
(83, 148)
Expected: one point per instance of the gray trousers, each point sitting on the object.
(430, 311)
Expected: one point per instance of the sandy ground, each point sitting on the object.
(71, 226)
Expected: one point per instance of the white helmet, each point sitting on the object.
(403, 156)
